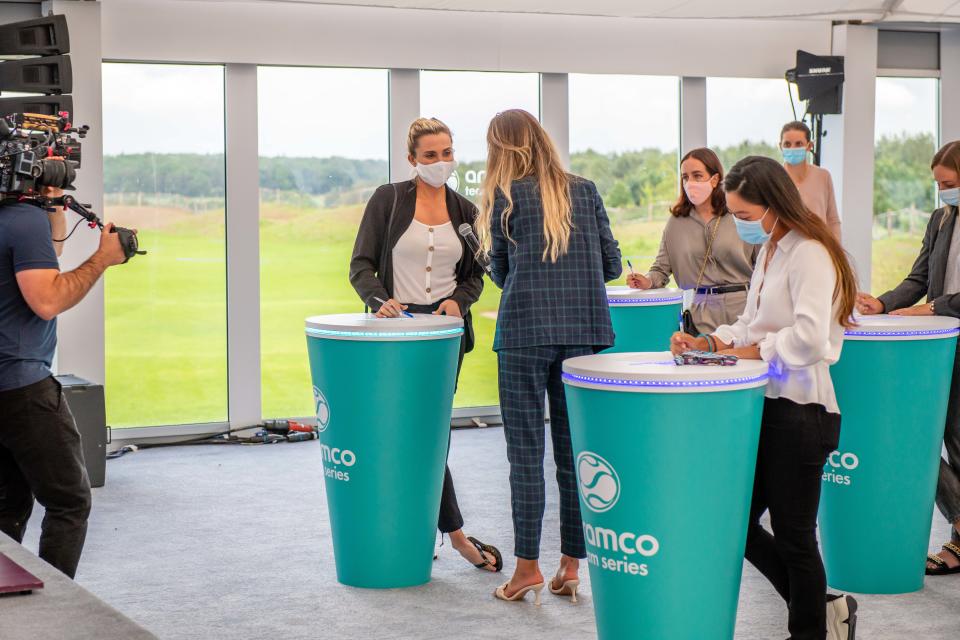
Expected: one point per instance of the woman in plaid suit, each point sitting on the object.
(551, 251)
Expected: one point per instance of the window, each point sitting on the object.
(624, 135)
(745, 115)
(904, 193)
(315, 179)
(166, 328)
(467, 101)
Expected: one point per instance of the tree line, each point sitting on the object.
(631, 180)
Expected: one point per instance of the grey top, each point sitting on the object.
(684, 244)
(951, 280)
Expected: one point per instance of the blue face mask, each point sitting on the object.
(751, 231)
(950, 196)
(794, 156)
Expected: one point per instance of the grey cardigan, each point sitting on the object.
(371, 267)
(929, 270)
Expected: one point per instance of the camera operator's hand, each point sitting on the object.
(51, 192)
(58, 219)
(110, 249)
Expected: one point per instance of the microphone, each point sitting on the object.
(466, 232)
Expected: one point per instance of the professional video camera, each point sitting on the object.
(39, 145)
(38, 151)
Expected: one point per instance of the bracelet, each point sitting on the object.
(711, 345)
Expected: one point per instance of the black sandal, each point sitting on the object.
(942, 569)
(492, 550)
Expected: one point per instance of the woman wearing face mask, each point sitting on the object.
(409, 257)
(936, 278)
(700, 247)
(551, 251)
(815, 184)
(801, 297)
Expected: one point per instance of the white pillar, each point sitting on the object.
(404, 109)
(949, 84)
(848, 145)
(555, 111)
(693, 114)
(80, 331)
(243, 245)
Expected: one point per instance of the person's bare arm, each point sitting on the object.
(49, 292)
(58, 218)
(58, 228)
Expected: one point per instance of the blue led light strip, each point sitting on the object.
(691, 384)
(331, 333)
(643, 300)
(901, 334)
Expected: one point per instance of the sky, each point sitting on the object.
(325, 112)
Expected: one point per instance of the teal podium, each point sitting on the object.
(383, 391)
(643, 319)
(892, 384)
(665, 458)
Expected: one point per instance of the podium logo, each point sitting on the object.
(599, 482)
(838, 466)
(322, 410)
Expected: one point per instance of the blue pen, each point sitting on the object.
(406, 314)
(630, 266)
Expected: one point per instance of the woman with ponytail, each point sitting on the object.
(801, 298)
(551, 251)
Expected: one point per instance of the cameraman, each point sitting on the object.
(40, 454)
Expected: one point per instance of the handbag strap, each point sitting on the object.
(706, 256)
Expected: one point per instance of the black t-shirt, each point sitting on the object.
(27, 341)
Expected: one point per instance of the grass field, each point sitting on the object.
(166, 312)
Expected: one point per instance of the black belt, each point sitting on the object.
(715, 291)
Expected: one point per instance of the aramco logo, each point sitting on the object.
(322, 410)
(599, 482)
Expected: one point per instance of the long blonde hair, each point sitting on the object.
(518, 147)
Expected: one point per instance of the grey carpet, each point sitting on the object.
(233, 542)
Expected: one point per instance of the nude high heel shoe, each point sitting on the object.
(567, 588)
(500, 593)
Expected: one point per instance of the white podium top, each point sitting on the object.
(624, 296)
(657, 373)
(367, 326)
(887, 328)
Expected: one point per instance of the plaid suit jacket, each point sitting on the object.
(545, 303)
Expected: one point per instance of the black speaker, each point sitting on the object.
(86, 403)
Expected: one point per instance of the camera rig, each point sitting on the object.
(39, 145)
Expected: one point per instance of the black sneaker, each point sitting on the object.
(841, 618)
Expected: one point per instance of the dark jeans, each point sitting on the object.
(795, 441)
(948, 485)
(41, 457)
(450, 517)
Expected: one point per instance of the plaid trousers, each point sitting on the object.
(526, 373)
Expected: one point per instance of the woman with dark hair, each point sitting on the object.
(801, 298)
(936, 277)
(815, 183)
(700, 247)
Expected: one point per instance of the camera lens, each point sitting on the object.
(57, 173)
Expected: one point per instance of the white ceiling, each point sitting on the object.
(866, 10)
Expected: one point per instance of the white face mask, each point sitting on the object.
(437, 173)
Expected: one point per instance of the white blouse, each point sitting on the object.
(425, 263)
(791, 316)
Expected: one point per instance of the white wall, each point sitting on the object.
(329, 35)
